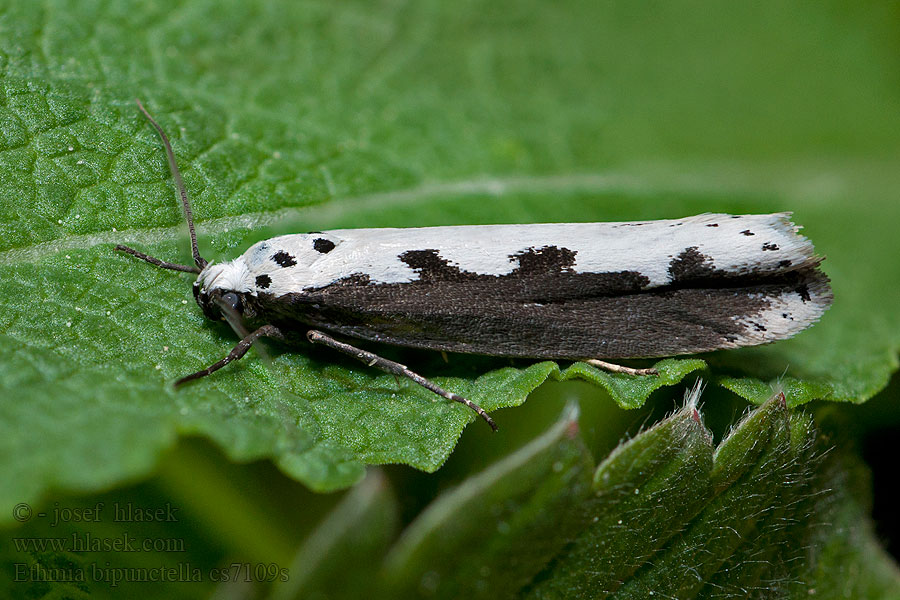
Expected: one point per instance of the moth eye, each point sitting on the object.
(232, 300)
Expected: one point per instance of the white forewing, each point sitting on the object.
(737, 244)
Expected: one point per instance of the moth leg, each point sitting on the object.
(237, 352)
(614, 368)
(394, 368)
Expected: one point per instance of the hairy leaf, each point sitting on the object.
(772, 511)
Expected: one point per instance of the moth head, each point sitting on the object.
(221, 290)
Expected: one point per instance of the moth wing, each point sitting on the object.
(575, 290)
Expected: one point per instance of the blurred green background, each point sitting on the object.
(295, 116)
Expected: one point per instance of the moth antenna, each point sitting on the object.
(155, 261)
(179, 183)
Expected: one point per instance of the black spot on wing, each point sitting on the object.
(712, 224)
(548, 259)
(263, 281)
(784, 264)
(284, 259)
(803, 290)
(747, 232)
(770, 246)
(431, 267)
(323, 245)
(690, 264)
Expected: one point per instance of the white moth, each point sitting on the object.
(580, 291)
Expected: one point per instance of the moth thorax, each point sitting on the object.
(233, 276)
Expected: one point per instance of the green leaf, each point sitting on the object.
(295, 116)
(359, 528)
(770, 511)
(773, 510)
(490, 535)
(645, 492)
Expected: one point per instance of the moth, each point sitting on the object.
(578, 291)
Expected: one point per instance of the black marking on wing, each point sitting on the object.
(747, 232)
(691, 264)
(692, 268)
(769, 246)
(263, 281)
(543, 275)
(284, 259)
(547, 259)
(432, 268)
(323, 245)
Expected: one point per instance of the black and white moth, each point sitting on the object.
(578, 291)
